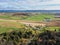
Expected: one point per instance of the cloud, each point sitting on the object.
(29, 4)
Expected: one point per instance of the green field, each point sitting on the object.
(6, 26)
(53, 28)
(9, 25)
(39, 17)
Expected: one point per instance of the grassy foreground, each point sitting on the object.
(15, 33)
(30, 36)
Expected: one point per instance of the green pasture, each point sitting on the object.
(39, 17)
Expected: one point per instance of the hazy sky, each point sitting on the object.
(30, 4)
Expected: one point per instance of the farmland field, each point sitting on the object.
(33, 17)
(29, 29)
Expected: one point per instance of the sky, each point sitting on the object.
(29, 4)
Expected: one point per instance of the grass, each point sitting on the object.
(6, 26)
(17, 26)
(4, 23)
(9, 26)
(9, 17)
(39, 17)
(7, 29)
(53, 28)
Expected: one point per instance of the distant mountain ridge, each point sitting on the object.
(42, 11)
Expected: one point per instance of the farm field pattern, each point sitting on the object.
(29, 29)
